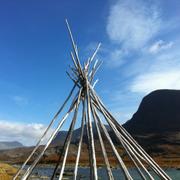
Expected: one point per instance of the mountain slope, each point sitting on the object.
(159, 112)
(156, 124)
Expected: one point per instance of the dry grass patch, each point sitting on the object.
(6, 171)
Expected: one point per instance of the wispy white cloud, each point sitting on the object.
(133, 23)
(150, 37)
(162, 72)
(116, 57)
(131, 26)
(160, 46)
(147, 73)
(146, 83)
(20, 100)
(27, 134)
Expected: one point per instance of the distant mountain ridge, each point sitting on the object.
(61, 136)
(10, 145)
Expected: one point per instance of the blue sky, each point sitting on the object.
(140, 53)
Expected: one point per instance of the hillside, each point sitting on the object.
(156, 124)
(158, 113)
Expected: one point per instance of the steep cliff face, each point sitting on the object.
(159, 112)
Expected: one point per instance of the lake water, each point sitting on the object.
(83, 173)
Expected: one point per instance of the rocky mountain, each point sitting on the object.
(10, 145)
(156, 125)
(159, 112)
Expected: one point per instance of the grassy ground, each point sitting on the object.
(6, 171)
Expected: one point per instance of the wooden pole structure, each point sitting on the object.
(46, 131)
(128, 149)
(65, 142)
(30, 169)
(80, 141)
(142, 154)
(121, 163)
(92, 111)
(93, 164)
(70, 136)
(108, 168)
